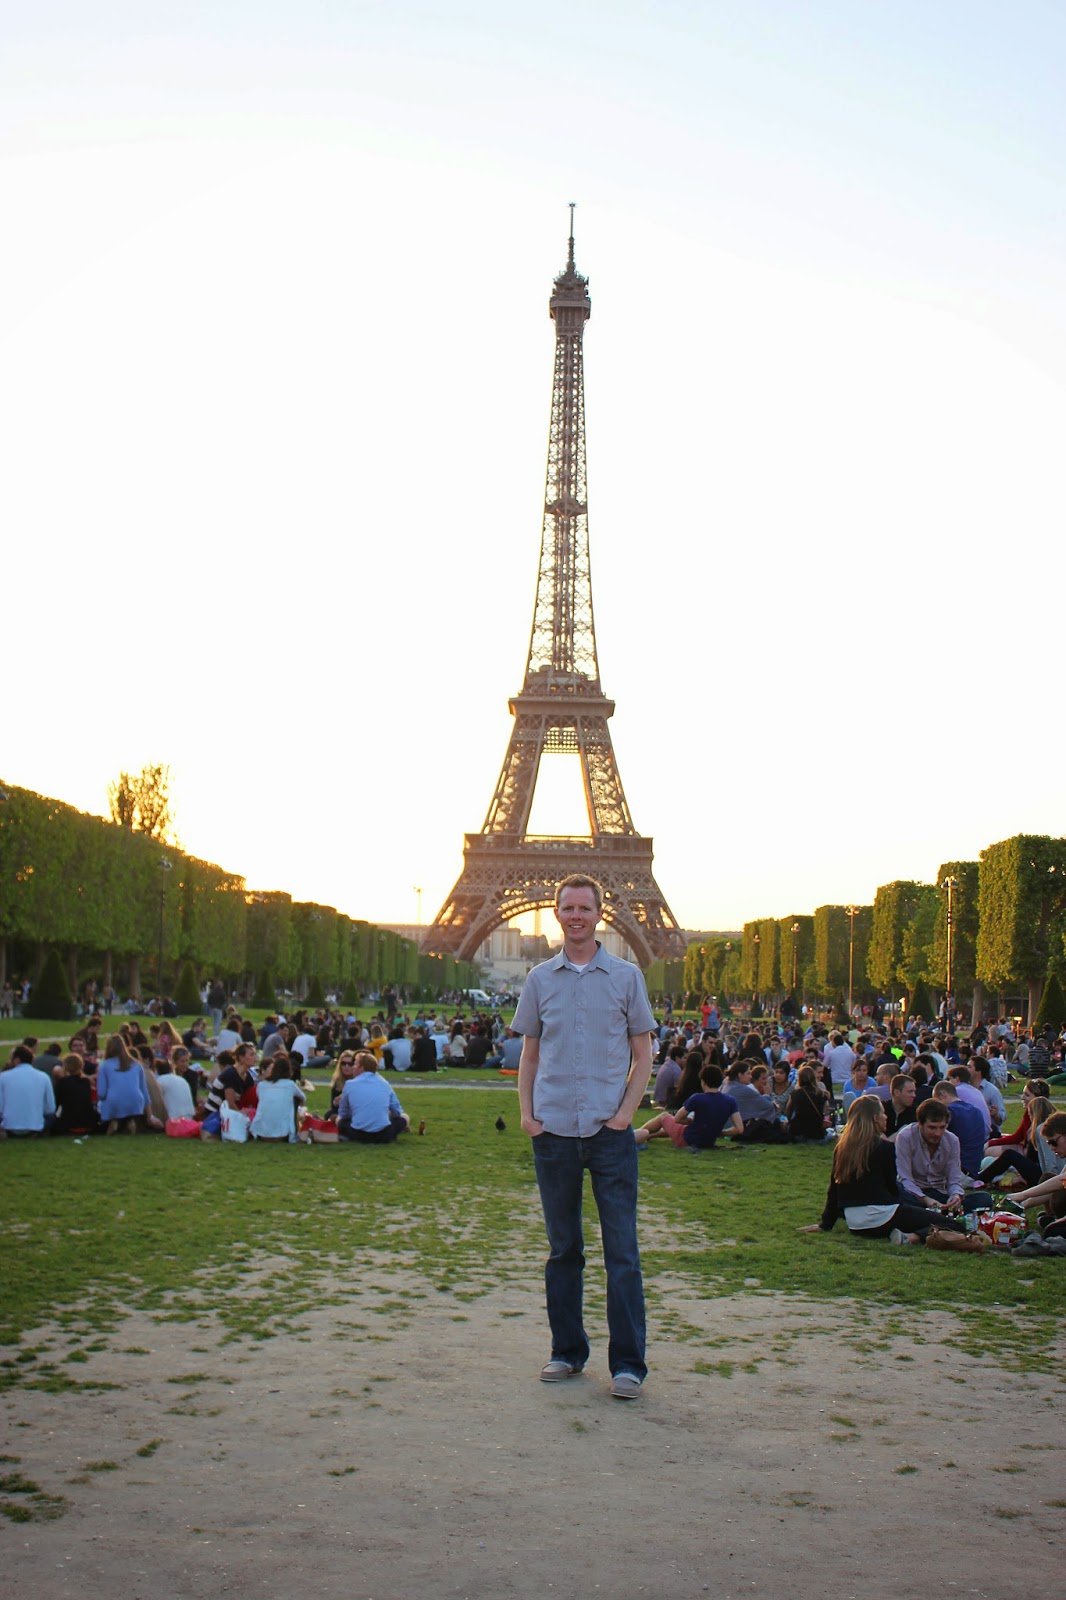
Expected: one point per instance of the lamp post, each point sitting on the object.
(795, 958)
(418, 892)
(755, 975)
(851, 910)
(950, 884)
(164, 868)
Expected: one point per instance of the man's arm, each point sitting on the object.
(636, 1083)
(528, 1063)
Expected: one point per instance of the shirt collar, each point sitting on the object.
(601, 959)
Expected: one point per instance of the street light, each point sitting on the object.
(950, 884)
(795, 957)
(851, 911)
(418, 891)
(755, 974)
(165, 867)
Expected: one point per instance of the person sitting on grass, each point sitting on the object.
(369, 1112)
(864, 1187)
(900, 1106)
(860, 1082)
(1032, 1089)
(233, 1086)
(807, 1108)
(75, 1110)
(175, 1086)
(1051, 1190)
(928, 1161)
(27, 1098)
(277, 1097)
(753, 1103)
(1036, 1160)
(121, 1091)
(966, 1123)
(700, 1118)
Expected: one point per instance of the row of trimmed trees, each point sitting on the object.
(107, 900)
(1008, 937)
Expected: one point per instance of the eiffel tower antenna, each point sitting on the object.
(561, 708)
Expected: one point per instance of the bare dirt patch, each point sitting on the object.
(399, 1445)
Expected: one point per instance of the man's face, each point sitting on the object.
(904, 1098)
(933, 1132)
(577, 914)
(245, 1058)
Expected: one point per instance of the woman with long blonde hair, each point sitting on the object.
(121, 1090)
(863, 1186)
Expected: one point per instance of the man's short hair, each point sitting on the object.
(933, 1111)
(711, 1076)
(579, 880)
(959, 1074)
(22, 1055)
(900, 1082)
(945, 1090)
(1055, 1125)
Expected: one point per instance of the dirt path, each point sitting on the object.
(401, 1446)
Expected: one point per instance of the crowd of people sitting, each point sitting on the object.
(918, 1116)
(189, 1084)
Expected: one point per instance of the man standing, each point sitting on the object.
(586, 1060)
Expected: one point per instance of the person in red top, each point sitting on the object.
(1032, 1089)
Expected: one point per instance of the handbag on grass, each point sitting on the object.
(235, 1125)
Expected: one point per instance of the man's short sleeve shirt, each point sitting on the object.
(584, 1021)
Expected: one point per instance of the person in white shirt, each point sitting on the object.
(839, 1058)
(174, 1086)
(981, 1078)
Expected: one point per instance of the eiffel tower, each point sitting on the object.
(561, 708)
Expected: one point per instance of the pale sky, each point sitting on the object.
(274, 400)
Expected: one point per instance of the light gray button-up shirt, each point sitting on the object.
(584, 1021)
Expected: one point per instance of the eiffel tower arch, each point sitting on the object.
(560, 709)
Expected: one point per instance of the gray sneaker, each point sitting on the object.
(556, 1370)
(626, 1386)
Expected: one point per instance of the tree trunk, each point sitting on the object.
(978, 1005)
(3, 962)
(1036, 990)
(38, 960)
(107, 969)
(135, 976)
(72, 971)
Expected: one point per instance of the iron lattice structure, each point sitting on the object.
(561, 708)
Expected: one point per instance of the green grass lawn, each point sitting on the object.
(175, 1227)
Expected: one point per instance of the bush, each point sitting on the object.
(264, 996)
(50, 995)
(352, 997)
(187, 997)
(920, 1003)
(315, 995)
(1052, 1004)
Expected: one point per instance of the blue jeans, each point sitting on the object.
(611, 1158)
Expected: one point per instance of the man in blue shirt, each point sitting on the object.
(27, 1099)
(967, 1125)
(369, 1112)
(586, 1060)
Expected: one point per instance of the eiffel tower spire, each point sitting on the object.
(561, 708)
